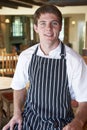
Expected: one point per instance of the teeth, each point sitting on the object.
(49, 35)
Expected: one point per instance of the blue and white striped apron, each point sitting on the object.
(48, 104)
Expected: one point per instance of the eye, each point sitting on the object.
(55, 23)
(42, 24)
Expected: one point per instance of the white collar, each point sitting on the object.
(52, 53)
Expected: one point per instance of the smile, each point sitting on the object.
(48, 35)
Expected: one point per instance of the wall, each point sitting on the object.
(29, 11)
(75, 10)
(76, 31)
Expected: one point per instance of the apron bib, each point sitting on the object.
(48, 104)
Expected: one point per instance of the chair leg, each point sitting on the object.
(8, 111)
(1, 112)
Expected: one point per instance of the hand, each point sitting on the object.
(74, 125)
(15, 120)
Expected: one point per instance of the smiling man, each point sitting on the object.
(56, 73)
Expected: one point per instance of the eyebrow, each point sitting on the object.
(50, 21)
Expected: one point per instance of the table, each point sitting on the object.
(5, 83)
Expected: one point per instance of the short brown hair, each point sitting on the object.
(47, 9)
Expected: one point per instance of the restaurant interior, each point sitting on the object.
(17, 34)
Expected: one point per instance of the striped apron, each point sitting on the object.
(48, 104)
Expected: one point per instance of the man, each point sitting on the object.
(56, 74)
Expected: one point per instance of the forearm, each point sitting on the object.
(19, 99)
(80, 118)
(81, 114)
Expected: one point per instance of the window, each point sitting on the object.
(17, 27)
(61, 36)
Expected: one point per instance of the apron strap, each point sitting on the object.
(36, 50)
(63, 53)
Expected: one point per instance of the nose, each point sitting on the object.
(49, 26)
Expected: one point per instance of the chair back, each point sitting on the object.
(9, 61)
(2, 50)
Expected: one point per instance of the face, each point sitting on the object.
(48, 28)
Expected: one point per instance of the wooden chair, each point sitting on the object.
(9, 61)
(2, 50)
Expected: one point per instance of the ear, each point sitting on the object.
(35, 28)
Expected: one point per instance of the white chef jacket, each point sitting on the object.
(76, 70)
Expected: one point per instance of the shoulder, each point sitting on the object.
(75, 61)
(73, 55)
(27, 53)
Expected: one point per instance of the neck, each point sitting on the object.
(46, 48)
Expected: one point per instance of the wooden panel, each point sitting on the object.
(85, 59)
